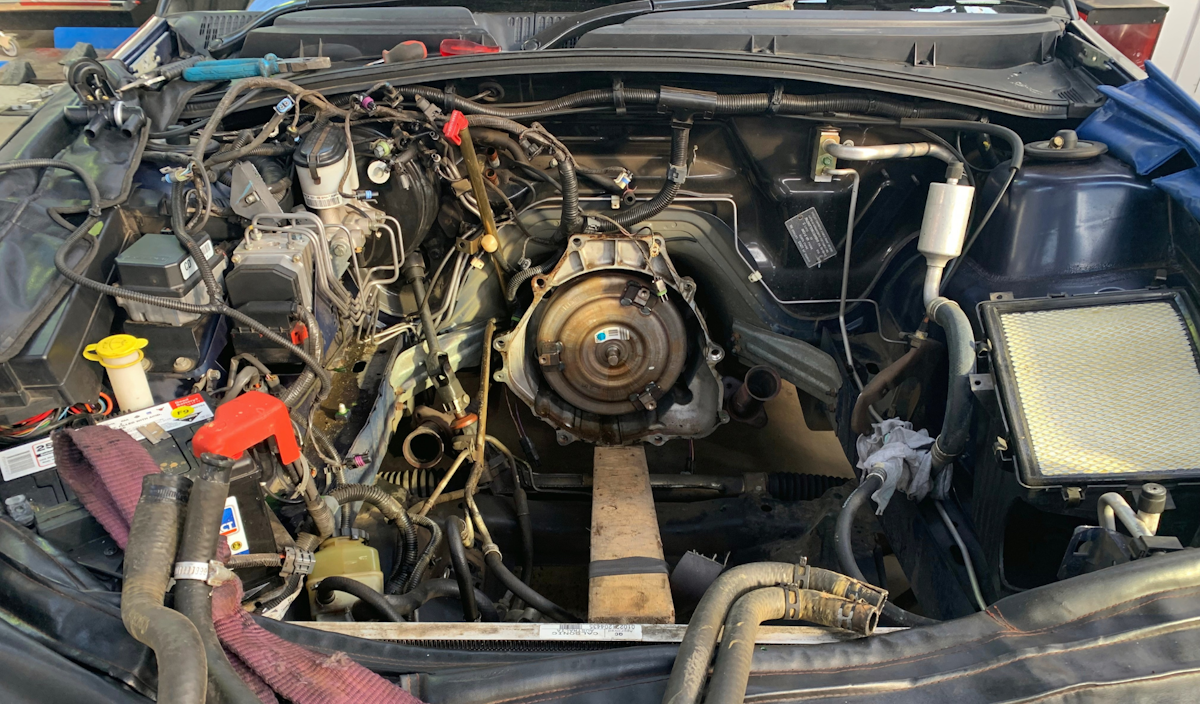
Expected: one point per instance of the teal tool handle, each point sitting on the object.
(231, 69)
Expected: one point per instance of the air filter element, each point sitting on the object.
(1099, 389)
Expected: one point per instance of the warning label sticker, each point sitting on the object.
(37, 456)
(808, 232)
(591, 631)
(231, 528)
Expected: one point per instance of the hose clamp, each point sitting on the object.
(491, 548)
(191, 570)
(297, 561)
(776, 99)
(791, 600)
(619, 96)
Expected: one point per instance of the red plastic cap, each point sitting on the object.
(457, 123)
(244, 422)
(460, 47)
(299, 333)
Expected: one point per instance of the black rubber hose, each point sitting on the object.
(665, 196)
(353, 587)
(523, 591)
(462, 570)
(391, 510)
(960, 345)
(895, 615)
(521, 504)
(193, 597)
(842, 534)
(60, 262)
(149, 558)
(405, 604)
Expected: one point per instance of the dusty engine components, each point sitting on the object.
(612, 349)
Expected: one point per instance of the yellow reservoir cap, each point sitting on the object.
(115, 347)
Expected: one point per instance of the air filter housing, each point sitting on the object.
(1098, 389)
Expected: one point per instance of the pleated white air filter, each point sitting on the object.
(1099, 388)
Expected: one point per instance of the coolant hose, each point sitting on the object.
(355, 588)
(149, 558)
(405, 604)
(462, 570)
(843, 531)
(523, 591)
(672, 182)
(394, 512)
(700, 639)
(960, 343)
(732, 670)
(843, 544)
(193, 597)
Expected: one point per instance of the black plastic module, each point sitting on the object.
(50, 371)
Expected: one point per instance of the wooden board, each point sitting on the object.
(624, 525)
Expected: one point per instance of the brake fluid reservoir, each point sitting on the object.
(121, 356)
(321, 161)
(343, 557)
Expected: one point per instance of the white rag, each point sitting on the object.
(902, 455)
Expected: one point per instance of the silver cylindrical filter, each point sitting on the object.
(943, 230)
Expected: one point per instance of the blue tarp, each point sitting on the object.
(99, 37)
(1145, 124)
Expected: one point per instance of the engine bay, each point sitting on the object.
(537, 348)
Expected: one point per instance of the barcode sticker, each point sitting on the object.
(36, 456)
(591, 631)
(26, 459)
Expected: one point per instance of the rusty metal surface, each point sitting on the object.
(610, 352)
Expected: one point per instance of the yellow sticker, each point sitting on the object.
(182, 412)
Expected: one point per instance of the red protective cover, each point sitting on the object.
(244, 422)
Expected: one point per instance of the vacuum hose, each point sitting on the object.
(149, 556)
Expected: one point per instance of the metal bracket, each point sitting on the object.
(550, 353)
(638, 295)
(647, 400)
(248, 193)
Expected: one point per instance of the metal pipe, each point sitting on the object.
(849, 152)
(1112, 505)
(424, 446)
(761, 384)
